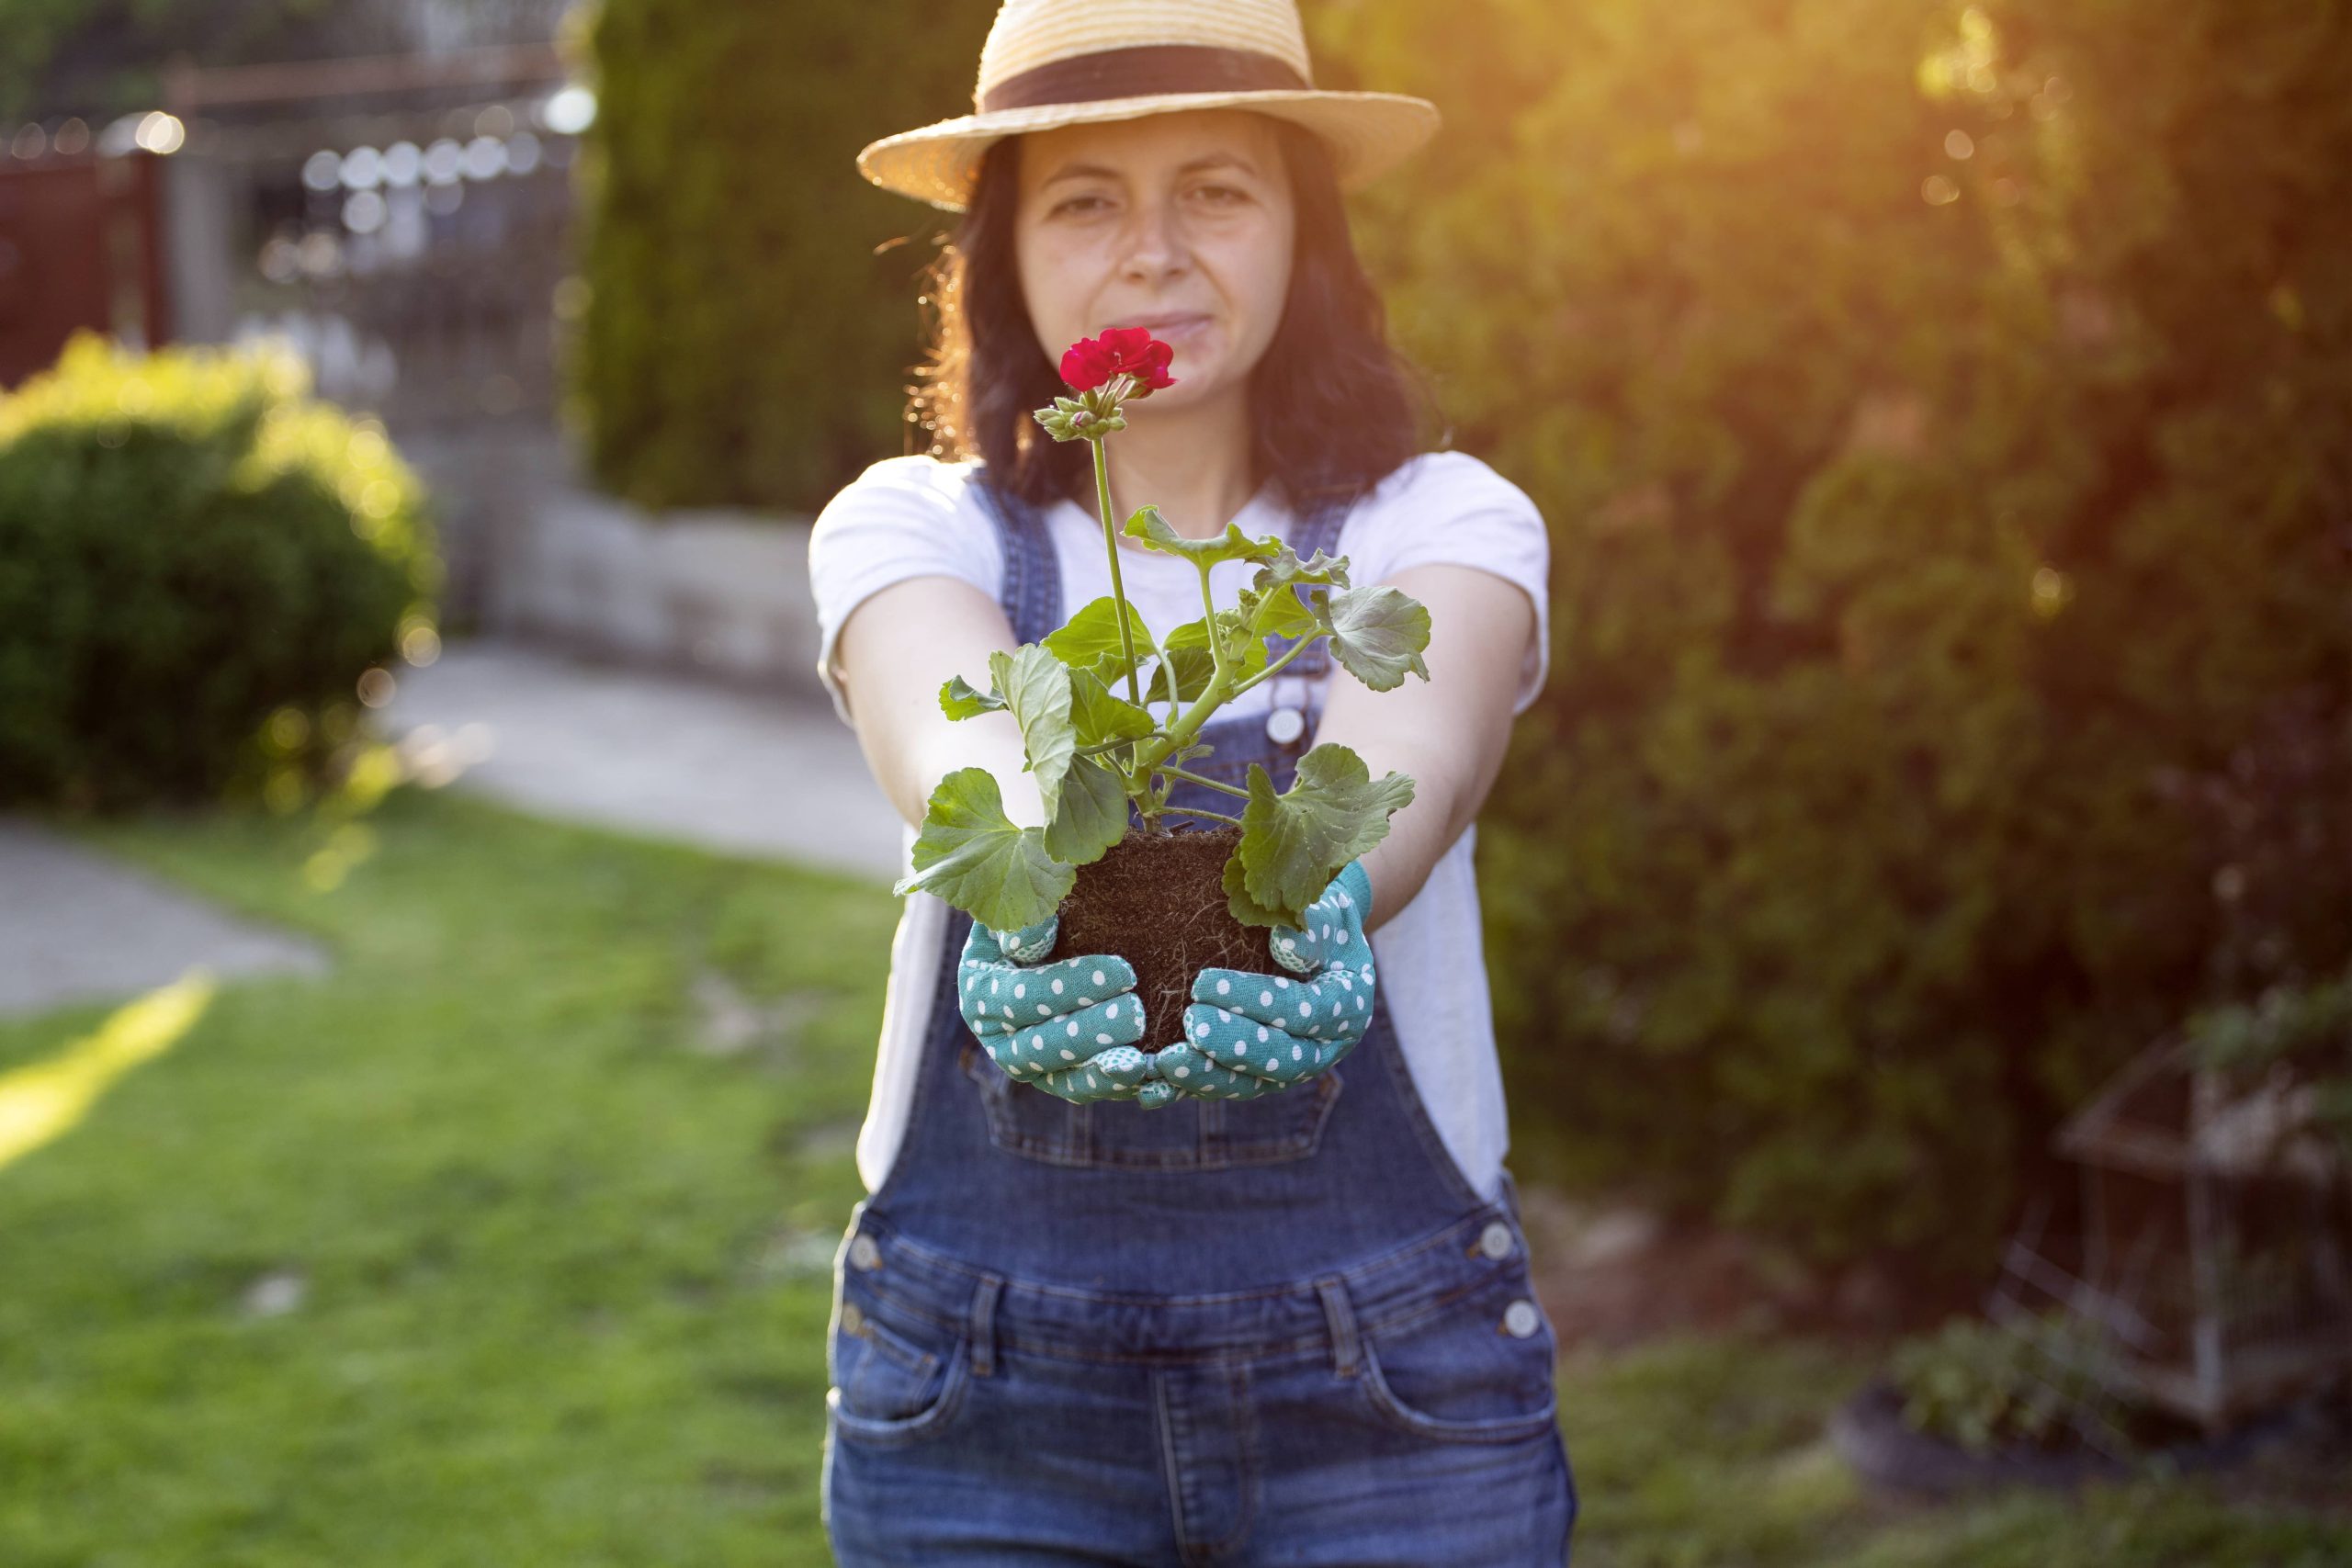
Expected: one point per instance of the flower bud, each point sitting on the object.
(1066, 419)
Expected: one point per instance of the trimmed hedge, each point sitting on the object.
(1945, 420)
(743, 343)
(197, 565)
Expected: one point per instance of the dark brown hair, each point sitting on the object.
(1334, 408)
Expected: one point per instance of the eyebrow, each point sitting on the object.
(1208, 160)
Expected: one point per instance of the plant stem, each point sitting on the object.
(1111, 545)
(1196, 811)
(1208, 619)
(1099, 747)
(1269, 672)
(1213, 783)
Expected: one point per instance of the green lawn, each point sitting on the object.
(563, 1268)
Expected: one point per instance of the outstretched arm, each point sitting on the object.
(895, 650)
(1448, 732)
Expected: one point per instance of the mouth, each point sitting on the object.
(1175, 322)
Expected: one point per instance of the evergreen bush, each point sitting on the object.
(198, 566)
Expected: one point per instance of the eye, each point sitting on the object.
(1073, 204)
(1225, 195)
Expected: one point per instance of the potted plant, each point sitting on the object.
(1109, 711)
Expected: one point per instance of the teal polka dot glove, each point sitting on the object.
(1070, 1027)
(1248, 1033)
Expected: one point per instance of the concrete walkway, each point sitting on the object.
(758, 774)
(77, 926)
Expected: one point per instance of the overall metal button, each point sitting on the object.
(1284, 726)
(853, 1320)
(1495, 1240)
(1520, 1318)
(863, 1253)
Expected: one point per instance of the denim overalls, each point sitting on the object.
(1277, 1330)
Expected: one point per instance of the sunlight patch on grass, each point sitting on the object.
(42, 1103)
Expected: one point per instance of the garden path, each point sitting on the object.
(768, 775)
(76, 925)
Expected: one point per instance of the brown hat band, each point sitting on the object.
(1143, 70)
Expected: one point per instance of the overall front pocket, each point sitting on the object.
(896, 1377)
(1190, 1134)
(1459, 1374)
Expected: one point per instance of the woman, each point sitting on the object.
(1297, 1327)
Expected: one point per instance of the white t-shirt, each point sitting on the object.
(916, 516)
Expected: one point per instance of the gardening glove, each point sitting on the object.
(1248, 1033)
(1070, 1027)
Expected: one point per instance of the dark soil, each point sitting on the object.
(1158, 901)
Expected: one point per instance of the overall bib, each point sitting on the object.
(1276, 1330)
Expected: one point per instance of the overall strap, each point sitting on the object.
(1032, 594)
(1317, 530)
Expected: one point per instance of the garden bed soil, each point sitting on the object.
(1158, 901)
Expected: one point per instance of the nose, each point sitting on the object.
(1155, 240)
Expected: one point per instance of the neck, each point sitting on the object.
(1192, 463)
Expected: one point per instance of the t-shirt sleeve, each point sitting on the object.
(1452, 507)
(902, 517)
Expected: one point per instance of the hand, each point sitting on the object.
(1070, 1027)
(1248, 1033)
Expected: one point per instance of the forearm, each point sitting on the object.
(1417, 836)
(1448, 734)
(891, 680)
(911, 762)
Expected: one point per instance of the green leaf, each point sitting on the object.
(1282, 615)
(1286, 568)
(1097, 715)
(1091, 640)
(1244, 910)
(1295, 842)
(1188, 646)
(958, 700)
(1094, 814)
(1233, 544)
(1192, 669)
(1193, 664)
(1378, 633)
(970, 854)
(1036, 688)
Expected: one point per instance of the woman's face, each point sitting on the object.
(1179, 223)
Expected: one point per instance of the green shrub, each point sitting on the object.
(744, 344)
(2042, 1383)
(196, 565)
(1942, 417)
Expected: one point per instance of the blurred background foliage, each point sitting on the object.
(107, 57)
(762, 303)
(1942, 414)
(199, 565)
(1942, 418)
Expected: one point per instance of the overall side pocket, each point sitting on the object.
(896, 1377)
(1459, 1374)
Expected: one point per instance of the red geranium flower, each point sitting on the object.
(1121, 351)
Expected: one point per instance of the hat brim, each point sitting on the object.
(1368, 133)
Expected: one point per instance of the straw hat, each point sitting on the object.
(1054, 62)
